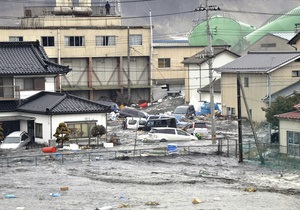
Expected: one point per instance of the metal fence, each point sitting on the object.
(273, 154)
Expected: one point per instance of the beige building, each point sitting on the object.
(262, 74)
(107, 59)
(168, 69)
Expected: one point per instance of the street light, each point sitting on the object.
(210, 55)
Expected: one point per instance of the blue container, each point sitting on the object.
(172, 148)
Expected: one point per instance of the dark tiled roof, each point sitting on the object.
(27, 58)
(198, 58)
(8, 106)
(60, 103)
(259, 62)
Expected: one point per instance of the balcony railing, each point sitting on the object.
(93, 11)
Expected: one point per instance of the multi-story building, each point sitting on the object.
(106, 58)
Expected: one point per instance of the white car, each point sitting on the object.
(15, 140)
(165, 134)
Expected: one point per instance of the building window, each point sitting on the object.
(135, 39)
(246, 82)
(268, 45)
(74, 40)
(48, 41)
(105, 40)
(38, 130)
(16, 39)
(293, 139)
(80, 129)
(36, 83)
(295, 73)
(164, 62)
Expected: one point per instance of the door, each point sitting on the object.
(30, 130)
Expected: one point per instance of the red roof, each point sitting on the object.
(297, 106)
(290, 115)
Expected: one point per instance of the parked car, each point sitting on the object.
(160, 122)
(179, 124)
(198, 127)
(164, 134)
(184, 111)
(134, 123)
(15, 140)
(113, 106)
(132, 112)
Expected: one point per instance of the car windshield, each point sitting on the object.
(11, 140)
(180, 110)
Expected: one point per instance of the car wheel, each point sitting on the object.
(163, 140)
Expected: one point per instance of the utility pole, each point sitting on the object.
(128, 65)
(210, 55)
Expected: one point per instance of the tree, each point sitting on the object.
(98, 130)
(281, 105)
(62, 133)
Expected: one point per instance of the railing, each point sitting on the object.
(93, 11)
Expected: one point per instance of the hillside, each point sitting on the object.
(182, 20)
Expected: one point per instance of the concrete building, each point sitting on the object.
(106, 58)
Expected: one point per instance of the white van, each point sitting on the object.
(134, 123)
(15, 140)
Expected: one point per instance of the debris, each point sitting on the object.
(249, 189)
(64, 188)
(124, 205)
(54, 194)
(152, 203)
(10, 196)
(196, 201)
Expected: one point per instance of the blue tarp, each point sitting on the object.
(205, 108)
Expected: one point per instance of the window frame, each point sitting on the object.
(38, 130)
(105, 41)
(293, 147)
(164, 62)
(30, 83)
(14, 38)
(82, 126)
(49, 41)
(135, 39)
(246, 81)
(296, 73)
(74, 41)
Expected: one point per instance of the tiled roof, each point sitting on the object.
(199, 57)
(259, 62)
(289, 115)
(297, 106)
(8, 106)
(27, 58)
(60, 103)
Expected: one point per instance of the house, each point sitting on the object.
(168, 71)
(198, 74)
(261, 74)
(289, 132)
(273, 41)
(27, 98)
(25, 69)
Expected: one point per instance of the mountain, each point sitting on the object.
(170, 18)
